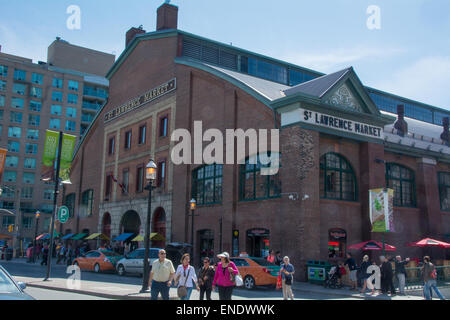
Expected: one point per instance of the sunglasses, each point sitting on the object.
(205, 262)
(162, 254)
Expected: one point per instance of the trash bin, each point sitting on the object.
(9, 254)
(317, 271)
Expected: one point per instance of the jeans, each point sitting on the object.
(189, 292)
(431, 284)
(206, 290)
(401, 282)
(225, 293)
(159, 287)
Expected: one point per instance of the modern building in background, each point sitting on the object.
(62, 94)
(339, 139)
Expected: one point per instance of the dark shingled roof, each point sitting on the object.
(319, 86)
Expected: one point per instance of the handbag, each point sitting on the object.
(239, 281)
(433, 274)
(182, 290)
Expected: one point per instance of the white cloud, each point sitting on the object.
(427, 80)
(336, 59)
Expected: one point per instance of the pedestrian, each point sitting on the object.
(30, 252)
(429, 277)
(224, 277)
(386, 276)
(400, 273)
(364, 275)
(161, 276)
(69, 255)
(278, 259)
(61, 254)
(205, 278)
(44, 255)
(271, 256)
(287, 278)
(351, 264)
(185, 277)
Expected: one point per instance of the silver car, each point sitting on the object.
(10, 289)
(134, 261)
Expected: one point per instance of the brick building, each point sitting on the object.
(338, 140)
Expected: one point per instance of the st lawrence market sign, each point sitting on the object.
(335, 123)
(143, 99)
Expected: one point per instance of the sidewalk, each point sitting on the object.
(131, 291)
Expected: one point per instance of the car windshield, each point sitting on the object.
(111, 254)
(6, 284)
(263, 262)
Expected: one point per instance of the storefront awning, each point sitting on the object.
(96, 236)
(123, 237)
(67, 236)
(47, 236)
(153, 236)
(79, 236)
(41, 236)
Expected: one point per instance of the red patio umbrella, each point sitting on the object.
(371, 245)
(429, 243)
(41, 236)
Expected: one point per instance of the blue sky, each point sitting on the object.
(408, 56)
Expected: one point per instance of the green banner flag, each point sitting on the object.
(49, 155)
(68, 145)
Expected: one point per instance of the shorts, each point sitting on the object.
(353, 275)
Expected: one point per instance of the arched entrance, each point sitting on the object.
(130, 223)
(206, 244)
(106, 225)
(258, 242)
(159, 226)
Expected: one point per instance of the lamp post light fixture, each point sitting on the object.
(37, 215)
(151, 171)
(192, 206)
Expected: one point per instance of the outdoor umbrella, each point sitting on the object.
(371, 245)
(429, 243)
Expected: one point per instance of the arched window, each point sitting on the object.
(401, 179)
(338, 180)
(207, 184)
(444, 190)
(254, 186)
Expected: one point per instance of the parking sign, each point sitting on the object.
(63, 214)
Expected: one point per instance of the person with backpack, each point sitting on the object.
(429, 278)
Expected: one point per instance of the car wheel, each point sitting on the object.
(121, 270)
(97, 268)
(249, 282)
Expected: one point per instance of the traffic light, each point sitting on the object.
(10, 228)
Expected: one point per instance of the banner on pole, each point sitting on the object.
(68, 145)
(2, 161)
(49, 155)
(381, 210)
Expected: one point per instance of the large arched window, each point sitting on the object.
(337, 178)
(207, 184)
(444, 190)
(254, 186)
(401, 179)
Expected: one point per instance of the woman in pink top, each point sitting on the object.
(225, 272)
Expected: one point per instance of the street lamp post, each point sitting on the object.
(150, 175)
(193, 206)
(37, 215)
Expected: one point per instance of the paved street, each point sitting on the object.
(113, 286)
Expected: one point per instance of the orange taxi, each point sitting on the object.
(98, 261)
(256, 271)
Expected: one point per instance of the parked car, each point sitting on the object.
(10, 289)
(257, 271)
(134, 261)
(98, 261)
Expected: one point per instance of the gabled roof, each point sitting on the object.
(320, 86)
